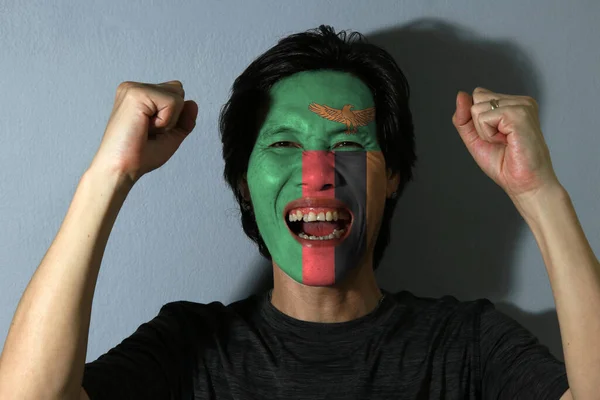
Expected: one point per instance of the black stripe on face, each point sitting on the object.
(351, 188)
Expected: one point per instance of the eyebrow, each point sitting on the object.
(290, 129)
(279, 129)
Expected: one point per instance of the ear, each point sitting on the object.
(243, 187)
(393, 180)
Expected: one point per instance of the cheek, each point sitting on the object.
(266, 176)
(376, 193)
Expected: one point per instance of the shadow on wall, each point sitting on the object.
(454, 230)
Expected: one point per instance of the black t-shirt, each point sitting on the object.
(407, 348)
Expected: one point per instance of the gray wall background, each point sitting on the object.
(178, 236)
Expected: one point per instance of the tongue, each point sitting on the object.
(320, 228)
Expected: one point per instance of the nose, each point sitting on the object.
(318, 173)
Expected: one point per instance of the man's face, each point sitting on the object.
(317, 177)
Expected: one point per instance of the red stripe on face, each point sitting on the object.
(318, 180)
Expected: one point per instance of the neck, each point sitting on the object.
(353, 298)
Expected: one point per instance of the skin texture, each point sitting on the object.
(300, 152)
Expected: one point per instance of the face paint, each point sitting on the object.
(317, 156)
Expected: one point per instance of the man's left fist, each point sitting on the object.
(506, 142)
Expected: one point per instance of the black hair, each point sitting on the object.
(242, 116)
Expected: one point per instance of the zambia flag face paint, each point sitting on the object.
(317, 177)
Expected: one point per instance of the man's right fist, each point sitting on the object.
(147, 124)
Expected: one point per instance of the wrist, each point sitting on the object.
(109, 177)
(542, 203)
(111, 182)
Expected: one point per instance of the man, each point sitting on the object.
(317, 142)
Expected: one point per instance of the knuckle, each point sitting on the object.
(179, 90)
(171, 89)
(532, 102)
(129, 90)
(520, 111)
(173, 99)
(126, 85)
(133, 91)
(125, 91)
(179, 94)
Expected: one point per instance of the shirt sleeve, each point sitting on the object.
(155, 362)
(514, 364)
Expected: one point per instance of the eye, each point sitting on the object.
(347, 144)
(285, 144)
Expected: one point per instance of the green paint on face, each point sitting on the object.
(297, 121)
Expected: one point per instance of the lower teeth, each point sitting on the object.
(336, 234)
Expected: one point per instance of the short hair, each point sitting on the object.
(242, 116)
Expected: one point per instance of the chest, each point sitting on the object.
(379, 367)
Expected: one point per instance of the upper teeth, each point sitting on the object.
(297, 215)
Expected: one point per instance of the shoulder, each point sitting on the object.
(441, 305)
(206, 315)
(446, 311)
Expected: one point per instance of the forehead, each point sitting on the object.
(291, 96)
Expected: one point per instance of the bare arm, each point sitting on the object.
(45, 349)
(44, 353)
(574, 273)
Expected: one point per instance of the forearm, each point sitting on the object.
(44, 353)
(574, 274)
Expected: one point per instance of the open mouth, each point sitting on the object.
(318, 222)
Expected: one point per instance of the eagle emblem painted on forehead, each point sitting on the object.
(346, 115)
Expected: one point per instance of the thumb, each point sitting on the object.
(172, 139)
(462, 119)
(187, 117)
